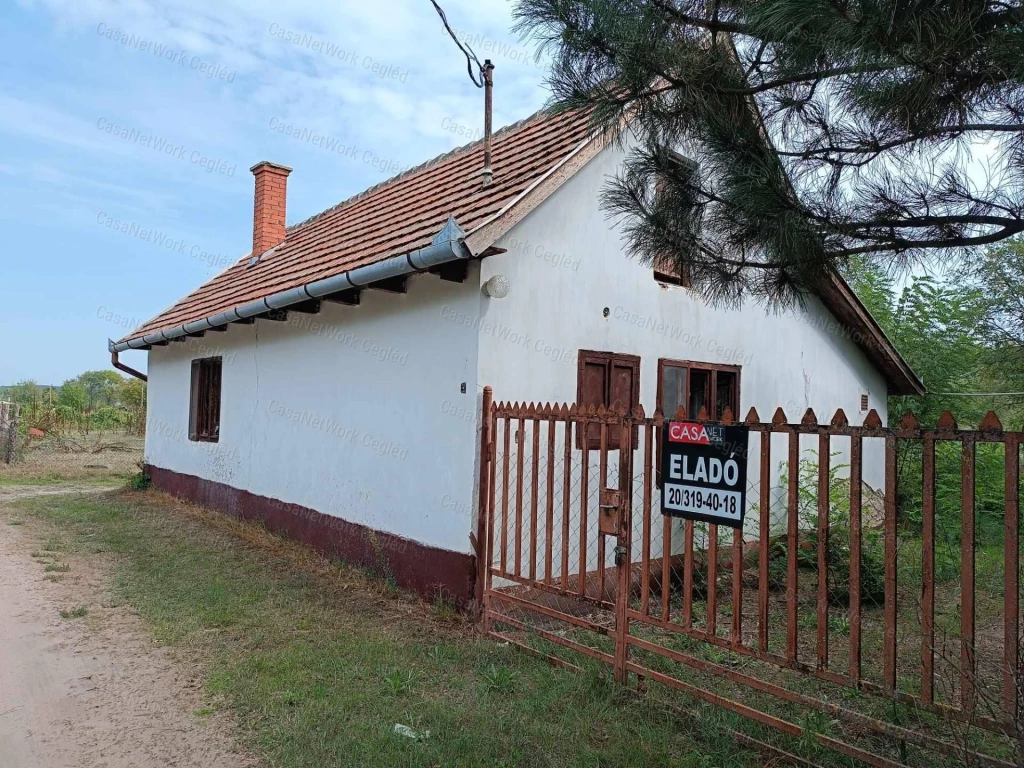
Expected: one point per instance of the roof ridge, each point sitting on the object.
(415, 169)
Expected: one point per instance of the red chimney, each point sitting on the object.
(269, 209)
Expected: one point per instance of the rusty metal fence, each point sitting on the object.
(868, 607)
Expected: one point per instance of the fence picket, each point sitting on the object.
(824, 459)
(928, 572)
(856, 555)
(968, 667)
(611, 608)
(792, 547)
(1011, 575)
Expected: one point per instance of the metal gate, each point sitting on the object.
(848, 613)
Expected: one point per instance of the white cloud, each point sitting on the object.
(67, 70)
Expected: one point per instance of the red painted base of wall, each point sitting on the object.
(426, 570)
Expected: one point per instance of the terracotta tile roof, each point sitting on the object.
(392, 218)
(405, 213)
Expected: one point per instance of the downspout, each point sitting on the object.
(121, 366)
(446, 246)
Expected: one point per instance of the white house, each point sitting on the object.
(330, 382)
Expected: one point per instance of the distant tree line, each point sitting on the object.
(94, 400)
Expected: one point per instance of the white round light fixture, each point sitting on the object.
(497, 287)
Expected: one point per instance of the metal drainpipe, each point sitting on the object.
(121, 366)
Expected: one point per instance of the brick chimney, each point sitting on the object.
(269, 208)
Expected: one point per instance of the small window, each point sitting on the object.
(698, 385)
(607, 379)
(204, 406)
(667, 269)
(863, 402)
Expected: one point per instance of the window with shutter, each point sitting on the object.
(204, 401)
(667, 269)
(606, 378)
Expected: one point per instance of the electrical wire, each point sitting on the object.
(979, 394)
(467, 51)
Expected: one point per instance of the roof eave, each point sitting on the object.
(447, 245)
(850, 310)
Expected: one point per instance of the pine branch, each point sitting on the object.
(822, 130)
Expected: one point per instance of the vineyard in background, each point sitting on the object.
(96, 412)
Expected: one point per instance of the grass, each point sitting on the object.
(97, 478)
(74, 613)
(318, 663)
(97, 459)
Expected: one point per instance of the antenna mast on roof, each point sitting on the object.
(482, 78)
(488, 71)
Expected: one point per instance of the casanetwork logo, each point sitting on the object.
(161, 239)
(333, 144)
(335, 51)
(171, 55)
(163, 146)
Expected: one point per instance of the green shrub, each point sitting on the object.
(872, 565)
(141, 480)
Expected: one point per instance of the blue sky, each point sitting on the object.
(141, 115)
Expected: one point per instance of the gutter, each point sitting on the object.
(448, 245)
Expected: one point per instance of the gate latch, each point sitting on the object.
(608, 520)
(620, 556)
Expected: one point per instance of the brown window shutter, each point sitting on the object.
(592, 389)
(623, 388)
(624, 391)
(594, 374)
(194, 403)
(605, 378)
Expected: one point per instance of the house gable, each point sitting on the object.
(573, 288)
(835, 311)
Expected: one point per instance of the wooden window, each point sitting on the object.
(667, 270)
(605, 378)
(204, 404)
(695, 385)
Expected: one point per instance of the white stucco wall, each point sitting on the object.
(355, 412)
(565, 270)
(567, 266)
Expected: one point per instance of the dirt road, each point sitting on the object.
(94, 691)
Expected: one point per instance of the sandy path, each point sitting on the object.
(93, 692)
(15, 492)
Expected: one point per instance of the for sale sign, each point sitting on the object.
(704, 472)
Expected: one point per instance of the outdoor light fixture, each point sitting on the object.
(497, 287)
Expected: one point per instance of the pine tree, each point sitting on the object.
(773, 140)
